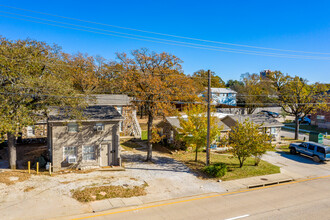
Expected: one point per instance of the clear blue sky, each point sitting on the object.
(293, 25)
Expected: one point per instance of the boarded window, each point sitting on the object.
(88, 153)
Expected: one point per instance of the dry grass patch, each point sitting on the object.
(12, 177)
(107, 192)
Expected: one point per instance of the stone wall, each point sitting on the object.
(40, 131)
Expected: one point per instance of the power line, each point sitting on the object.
(168, 35)
(175, 44)
(153, 38)
(163, 101)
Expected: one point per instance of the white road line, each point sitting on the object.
(237, 217)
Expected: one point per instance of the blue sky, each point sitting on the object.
(290, 25)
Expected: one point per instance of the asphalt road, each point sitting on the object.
(300, 200)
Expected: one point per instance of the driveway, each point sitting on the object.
(167, 178)
(297, 166)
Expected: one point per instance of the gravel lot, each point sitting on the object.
(50, 196)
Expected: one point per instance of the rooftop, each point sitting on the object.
(265, 121)
(91, 113)
(222, 90)
(110, 99)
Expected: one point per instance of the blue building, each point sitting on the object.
(224, 96)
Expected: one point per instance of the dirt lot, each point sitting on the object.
(38, 196)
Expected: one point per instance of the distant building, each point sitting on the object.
(223, 96)
(264, 74)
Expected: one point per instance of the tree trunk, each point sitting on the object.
(256, 160)
(296, 131)
(196, 154)
(11, 150)
(150, 120)
(141, 111)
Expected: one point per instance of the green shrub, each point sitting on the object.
(216, 170)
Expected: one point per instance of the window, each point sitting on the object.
(88, 153)
(303, 145)
(311, 147)
(70, 154)
(272, 130)
(30, 130)
(99, 127)
(320, 150)
(73, 127)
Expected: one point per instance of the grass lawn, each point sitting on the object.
(284, 148)
(129, 145)
(310, 128)
(234, 172)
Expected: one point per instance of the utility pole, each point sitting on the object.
(208, 118)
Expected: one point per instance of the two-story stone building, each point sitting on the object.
(91, 142)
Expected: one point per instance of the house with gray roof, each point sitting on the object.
(170, 127)
(268, 124)
(92, 141)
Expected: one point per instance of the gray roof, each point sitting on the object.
(175, 123)
(91, 113)
(109, 99)
(265, 121)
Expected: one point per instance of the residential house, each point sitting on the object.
(123, 104)
(222, 96)
(268, 124)
(91, 142)
(170, 126)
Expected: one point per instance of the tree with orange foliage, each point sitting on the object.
(157, 81)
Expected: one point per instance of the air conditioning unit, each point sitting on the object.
(72, 159)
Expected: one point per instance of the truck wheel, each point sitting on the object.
(316, 159)
(293, 151)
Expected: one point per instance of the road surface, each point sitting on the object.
(299, 200)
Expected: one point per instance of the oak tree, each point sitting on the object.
(32, 79)
(297, 97)
(157, 81)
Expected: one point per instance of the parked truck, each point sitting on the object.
(318, 152)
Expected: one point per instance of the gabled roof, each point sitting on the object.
(222, 90)
(91, 113)
(265, 121)
(109, 99)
